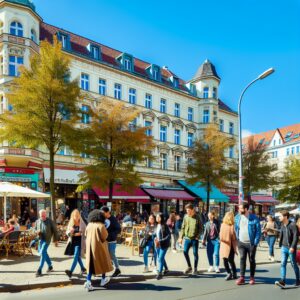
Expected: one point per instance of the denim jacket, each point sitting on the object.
(253, 227)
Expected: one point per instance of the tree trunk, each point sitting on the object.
(52, 183)
(207, 195)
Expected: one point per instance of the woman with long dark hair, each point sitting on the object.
(162, 243)
(149, 236)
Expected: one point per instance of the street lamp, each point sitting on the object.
(261, 76)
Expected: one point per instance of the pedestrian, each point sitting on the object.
(113, 228)
(270, 230)
(171, 224)
(46, 230)
(212, 242)
(189, 236)
(178, 225)
(248, 232)
(149, 235)
(228, 247)
(98, 261)
(162, 243)
(288, 240)
(76, 242)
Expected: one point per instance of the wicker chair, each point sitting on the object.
(12, 243)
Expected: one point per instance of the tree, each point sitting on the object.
(115, 145)
(209, 162)
(257, 171)
(291, 181)
(45, 105)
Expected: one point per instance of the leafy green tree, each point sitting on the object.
(45, 106)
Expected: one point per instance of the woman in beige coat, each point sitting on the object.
(228, 247)
(98, 260)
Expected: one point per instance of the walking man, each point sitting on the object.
(248, 231)
(46, 229)
(113, 227)
(190, 235)
(288, 240)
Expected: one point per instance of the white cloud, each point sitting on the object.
(246, 133)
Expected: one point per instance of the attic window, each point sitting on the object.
(261, 141)
(95, 52)
(126, 62)
(288, 134)
(64, 39)
(176, 82)
(296, 136)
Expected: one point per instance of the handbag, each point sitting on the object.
(143, 242)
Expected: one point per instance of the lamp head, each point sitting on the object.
(266, 73)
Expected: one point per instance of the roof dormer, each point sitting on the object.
(64, 38)
(154, 72)
(95, 51)
(126, 61)
(175, 81)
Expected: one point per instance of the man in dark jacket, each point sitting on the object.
(113, 227)
(288, 240)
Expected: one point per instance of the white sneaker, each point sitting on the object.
(88, 286)
(217, 270)
(155, 271)
(146, 270)
(210, 269)
(105, 281)
(272, 258)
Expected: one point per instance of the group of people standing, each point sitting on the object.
(237, 234)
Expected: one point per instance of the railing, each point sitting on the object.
(5, 37)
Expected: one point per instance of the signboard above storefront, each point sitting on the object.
(63, 176)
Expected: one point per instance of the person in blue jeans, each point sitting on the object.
(76, 243)
(46, 230)
(270, 231)
(212, 242)
(150, 232)
(162, 243)
(288, 240)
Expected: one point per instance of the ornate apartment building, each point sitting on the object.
(177, 110)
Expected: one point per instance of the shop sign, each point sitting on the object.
(63, 176)
(17, 170)
(14, 179)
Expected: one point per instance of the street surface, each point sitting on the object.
(205, 286)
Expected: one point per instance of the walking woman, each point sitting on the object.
(271, 231)
(228, 247)
(149, 236)
(98, 260)
(76, 243)
(162, 243)
(171, 224)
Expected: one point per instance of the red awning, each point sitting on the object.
(136, 195)
(264, 200)
(165, 194)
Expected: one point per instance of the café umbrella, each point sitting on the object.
(8, 189)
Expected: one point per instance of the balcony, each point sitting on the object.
(22, 41)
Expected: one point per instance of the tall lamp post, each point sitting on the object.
(262, 76)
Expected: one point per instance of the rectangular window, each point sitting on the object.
(149, 129)
(163, 161)
(155, 74)
(176, 82)
(14, 63)
(205, 92)
(177, 137)
(214, 93)
(64, 41)
(102, 87)
(287, 151)
(190, 161)
(132, 96)
(297, 149)
(190, 139)
(163, 133)
(177, 163)
(274, 154)
(221, 125)
(149, 163)
(231, 128)
(163, 106)
(190, 114)
(85, 117)
(85, 82)
(95, 52)
(231, 152)
(127, 64)
(206, 116)
(177, 110)
(293, 150)
(274, 143)
(133, 124)
(148, 101)
(118, 91)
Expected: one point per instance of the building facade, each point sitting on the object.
(176, 110)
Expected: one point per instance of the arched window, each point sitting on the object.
(205, 92)
(33, 35)
(16, 28)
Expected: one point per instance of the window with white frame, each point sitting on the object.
(85, 117)
(231, 152)
(215, 93)
(177, 160)
(190, 114)
(231, 127)
(190, 141)
(221, 125)
(148, 101)
(177, 136)
(293, 150)
(287, 151)
(155, 74)
(16, 28)
(102, 86)
(14, 63)
(163, 106)
(33, 35)
(177, 110)
(176, 82)
(163, 161)
(149, 162)
(148, 124)
(118, 91)
(298, 149)
(206, 116)
(132, 96)
(64, 41)
(163, 133)
(274, 143)
(95, 52)
(85, 81)
(205, 92)
(127, 64)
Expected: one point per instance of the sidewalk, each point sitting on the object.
(18, 273)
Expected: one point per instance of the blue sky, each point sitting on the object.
(241, 37)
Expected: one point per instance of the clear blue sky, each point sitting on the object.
(241, 37)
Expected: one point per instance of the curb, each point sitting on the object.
(10, 288)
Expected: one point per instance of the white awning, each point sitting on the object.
(63, 176)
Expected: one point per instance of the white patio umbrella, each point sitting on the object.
(8, 189)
